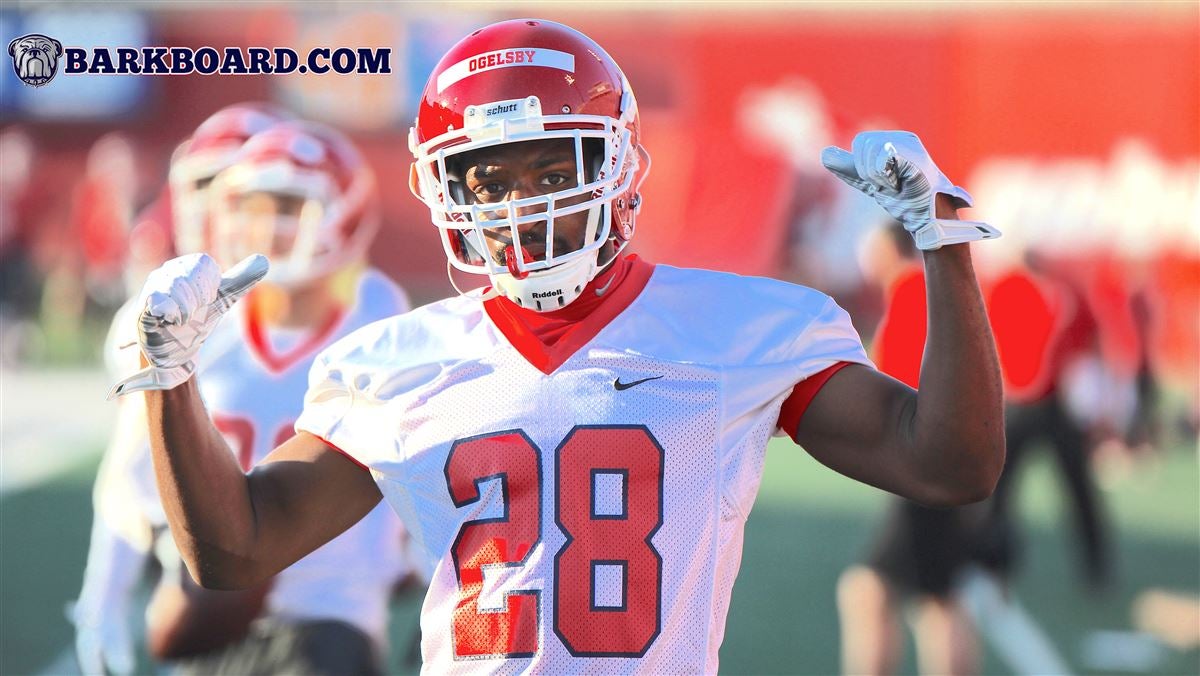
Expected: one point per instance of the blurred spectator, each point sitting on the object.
(18, 283)
(103, 214)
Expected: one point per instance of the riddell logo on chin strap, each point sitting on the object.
(548, 294)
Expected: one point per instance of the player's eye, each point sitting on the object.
(489, 192)
(492, 189)
(556, 179)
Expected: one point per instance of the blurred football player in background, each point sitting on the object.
(1046, 336)
(303, 192)
(128, 513)
(580, 524)
(922, 556)
(919, 550)
(1043, 327)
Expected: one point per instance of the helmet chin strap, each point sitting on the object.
(555, 288)
(510, 260)
(548, 290)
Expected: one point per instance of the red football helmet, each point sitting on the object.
(209, 150)
(519, 81)
(300, 192)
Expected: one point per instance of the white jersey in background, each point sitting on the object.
(584, 503)
(253, 381)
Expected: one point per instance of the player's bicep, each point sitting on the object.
(305, 493)
(856, 425)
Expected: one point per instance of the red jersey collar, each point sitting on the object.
(260, 343)
(548, 339)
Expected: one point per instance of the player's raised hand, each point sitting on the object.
(894, 168)
(182, 302)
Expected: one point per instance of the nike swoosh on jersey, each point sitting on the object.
(618, 385)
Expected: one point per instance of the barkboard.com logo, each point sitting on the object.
(36, 59)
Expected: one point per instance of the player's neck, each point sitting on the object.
(304, 307)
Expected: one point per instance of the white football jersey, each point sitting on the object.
(253, 383)
(125, 495)
(584, 515)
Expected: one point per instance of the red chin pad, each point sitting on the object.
(510, 260)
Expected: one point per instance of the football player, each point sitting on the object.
(128, 514)
(577, 446)
(303, 192)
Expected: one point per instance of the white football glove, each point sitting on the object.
(895, 169)
(182, 302)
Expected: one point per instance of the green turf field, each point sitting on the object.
(809, 523)
(807, 526)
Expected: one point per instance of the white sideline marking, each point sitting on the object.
(1012, 632)
(1134, 651)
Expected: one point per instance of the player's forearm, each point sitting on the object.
(958, 425)
(204, 492)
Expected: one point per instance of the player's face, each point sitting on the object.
(268, 220)
(516, 171)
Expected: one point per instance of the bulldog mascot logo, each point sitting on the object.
(35, 58)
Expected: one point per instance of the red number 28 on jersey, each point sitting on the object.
(607, 575)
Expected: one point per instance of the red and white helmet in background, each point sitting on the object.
(523, 80)
(301, 192)
(197, 161)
